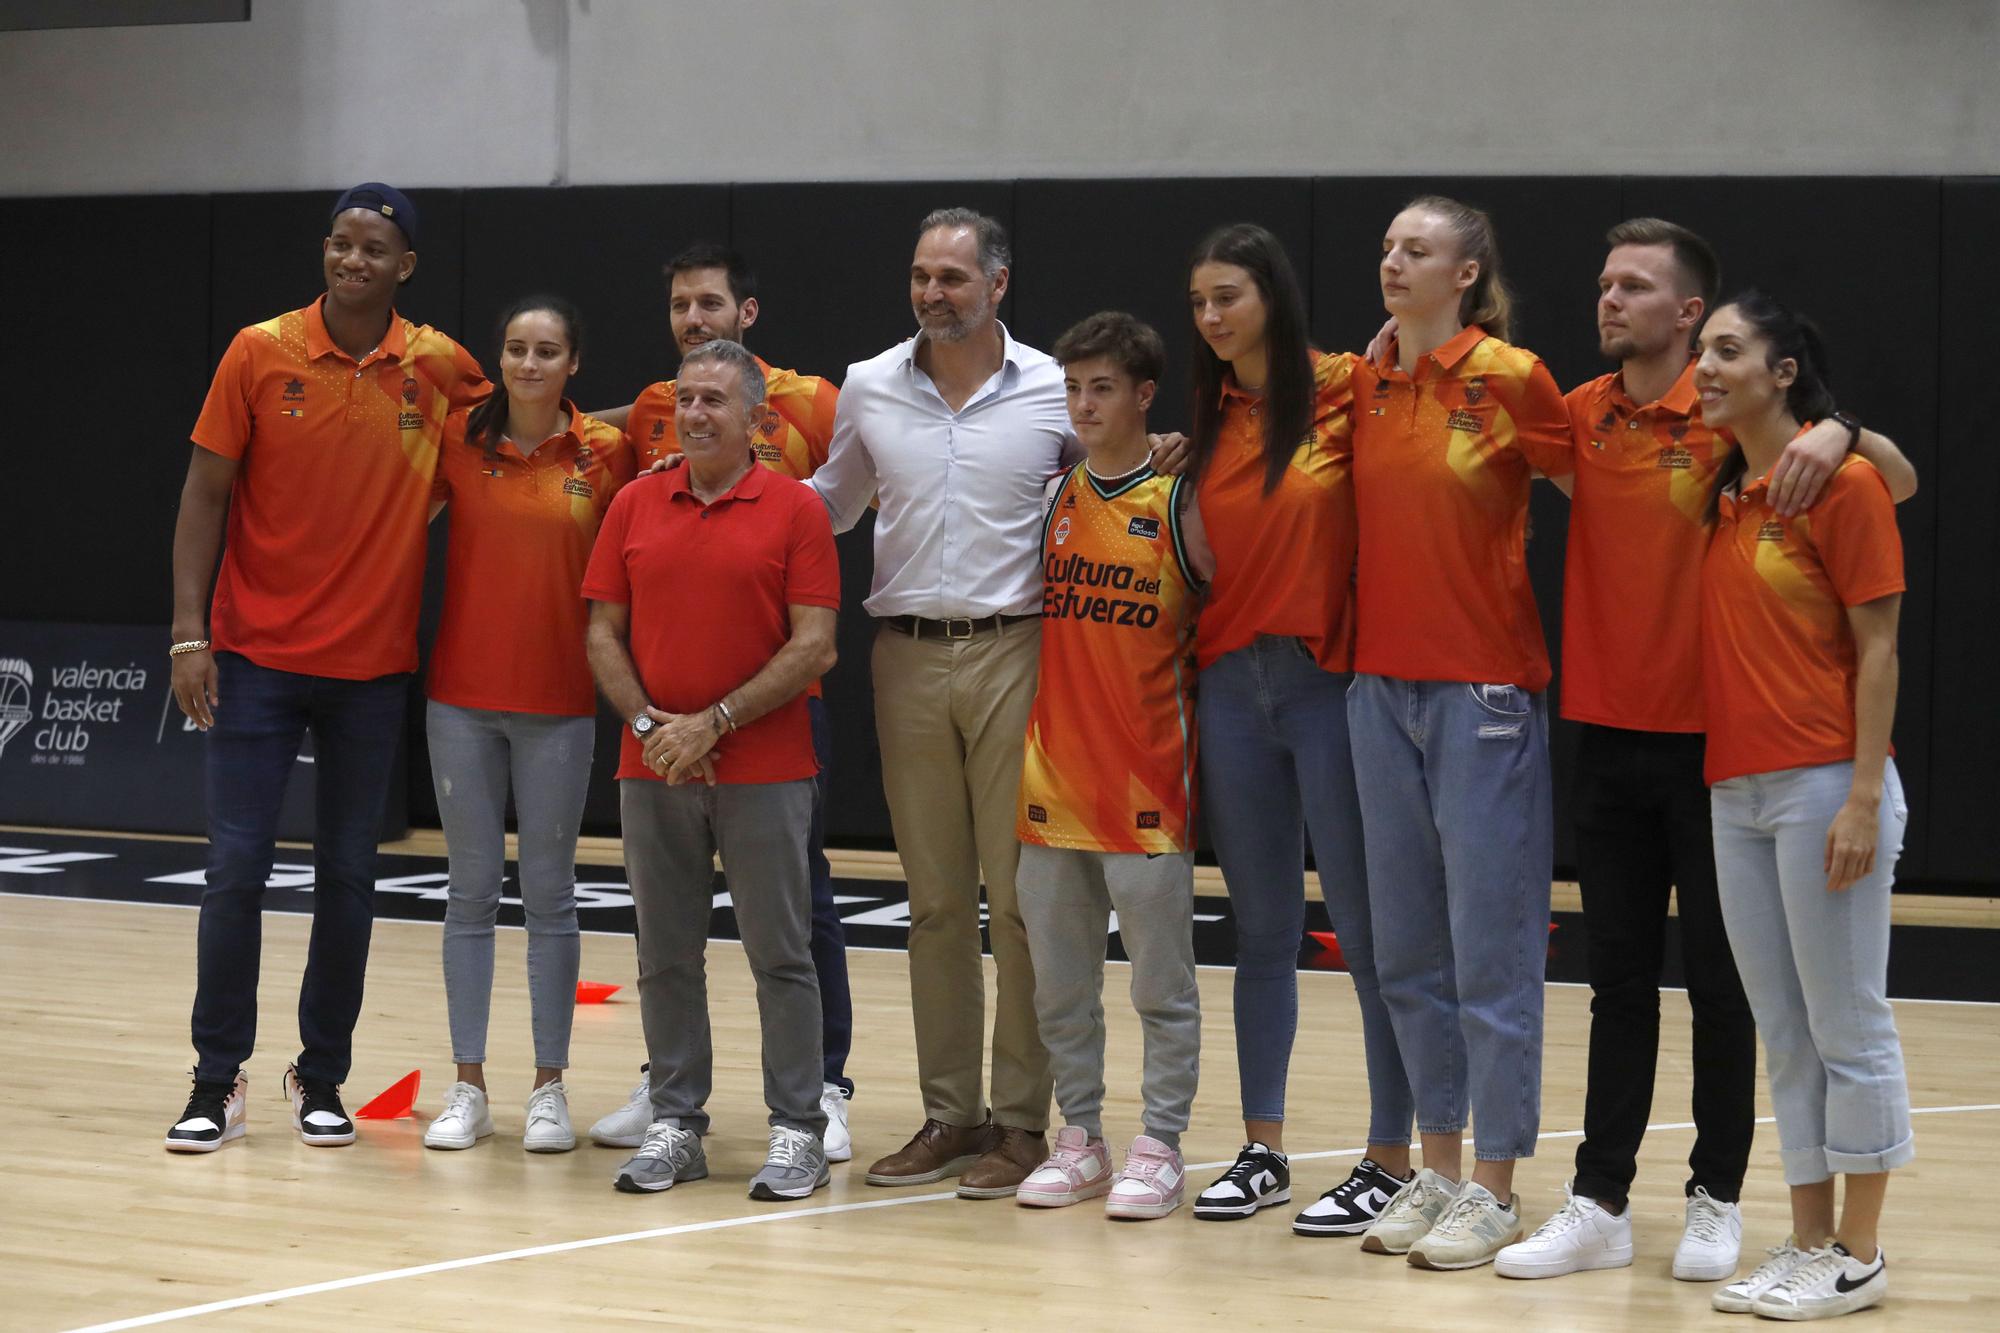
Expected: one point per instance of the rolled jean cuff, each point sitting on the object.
(1501, 1154)
(1868, 1163)
(1458, 1128)
(1276, 1117)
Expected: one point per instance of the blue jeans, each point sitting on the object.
(476, 754)
(829, 940)
(1454, 783)
(259, 722)
(1816, 967)
(1275, 766)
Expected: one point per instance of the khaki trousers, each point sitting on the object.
(952, 717)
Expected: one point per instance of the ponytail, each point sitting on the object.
(1788, 336)
(1488, 302)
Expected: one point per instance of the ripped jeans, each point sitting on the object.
(1459, 831)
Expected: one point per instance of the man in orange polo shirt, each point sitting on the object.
(714, 590)
(712, 294)
(1645, 464)
(317, 445)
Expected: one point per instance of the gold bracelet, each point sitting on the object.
(188, 646)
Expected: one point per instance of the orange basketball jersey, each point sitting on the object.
(1110, 751)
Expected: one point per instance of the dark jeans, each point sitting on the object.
(262, 717)
(1642, 826)
(829, 941)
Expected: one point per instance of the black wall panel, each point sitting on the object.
(110, 344)
(1964, 484)
(1863, 260)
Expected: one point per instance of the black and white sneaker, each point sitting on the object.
(316, 1110)
(1260, 1178)
(1351, 1207)
(213, 1117)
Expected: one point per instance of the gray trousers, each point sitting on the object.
(671, 837)
(1066, 901)
(474, 753)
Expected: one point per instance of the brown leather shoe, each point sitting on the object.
(937, 1150)
(1005, 1165)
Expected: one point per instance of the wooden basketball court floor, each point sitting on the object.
(101, 1228)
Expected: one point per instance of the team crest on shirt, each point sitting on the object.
(1673, 456)
(1037, 815)
(770, 425)
(1607, 421)
(1475, 390)
(1149, 528)
(1381, 388)
(577, 486)
(409, 390)
(1460, 419)
(295, 391)
(1770, 530)
(659, 430)
(1062, 530)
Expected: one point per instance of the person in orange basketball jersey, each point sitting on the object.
(1107, 781)
(1448, 720)
(1270, 461)
(527, 478)
(712, 294)
(1799, 671)
(317, 446)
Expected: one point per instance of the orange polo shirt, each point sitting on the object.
(711, 587)
(323, 570)
(1631, 578)
(511, 637)
(1442, 464)
(1777, 653)
(1284, 562)
(793, 437)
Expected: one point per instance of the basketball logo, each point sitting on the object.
(15, 678)
(1062, 530)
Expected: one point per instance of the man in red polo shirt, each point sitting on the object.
(714, 590)
(317, 445)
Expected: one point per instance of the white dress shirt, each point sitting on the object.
(960, 527)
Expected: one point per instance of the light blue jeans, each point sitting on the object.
(1455, 805)
(1816, 967)
(1275, 766)
(474, 753)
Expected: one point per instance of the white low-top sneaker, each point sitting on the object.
(839, 1143)
(626, 1126)
(465, 1121)
(1740, 1295)
(548, 1128)
(1712, 1244)
(1830, 1282)
(1582, 1235)
(1475, 1227)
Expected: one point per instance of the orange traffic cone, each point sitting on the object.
(397, 1101)
(594, 992)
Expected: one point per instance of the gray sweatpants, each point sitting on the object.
(671, 836)
(1066, 901)
(474, 753)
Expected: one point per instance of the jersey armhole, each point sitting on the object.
(1174, 502)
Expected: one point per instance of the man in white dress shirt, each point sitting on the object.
(958, 431)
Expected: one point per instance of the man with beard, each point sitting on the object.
(711, 296)
(959, 430)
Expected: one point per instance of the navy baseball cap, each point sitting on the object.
(387, 200)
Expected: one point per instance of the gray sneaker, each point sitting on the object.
(795, 1168)
(667, 1155)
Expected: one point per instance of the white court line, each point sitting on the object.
(723, 1224)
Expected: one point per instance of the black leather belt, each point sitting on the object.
(963, 627)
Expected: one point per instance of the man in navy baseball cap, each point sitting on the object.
(387, 200)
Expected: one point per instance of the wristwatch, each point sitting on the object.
(643, 724)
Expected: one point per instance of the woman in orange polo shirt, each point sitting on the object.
(527, 478)
(1274, 648)
(1449, 723)
(1799, 673)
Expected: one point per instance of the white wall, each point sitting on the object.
(320, 93)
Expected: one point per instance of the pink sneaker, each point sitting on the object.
(1078, 1169)
(1152, 1184)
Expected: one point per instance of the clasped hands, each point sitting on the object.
(681, 748)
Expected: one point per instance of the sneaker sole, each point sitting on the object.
(989, 1191)
(1376, 1245)
(626, 1185)
(456, 1144)
(1139, 1212)
(1420, 1259)
(1528, 1271)
(769, 1194)
(1317, 1228)
(1711, 1273)
(1731, 1304)
(1230, 1212)
(617, 1140)
(551, 1145)
(952, 1168)
(235, 1131)
(1793, 1314)
(1038, 1199)
(315, 1140)
(840, 1154)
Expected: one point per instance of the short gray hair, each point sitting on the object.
(737, 355)
(994, 251)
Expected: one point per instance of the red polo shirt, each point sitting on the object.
(711, 587)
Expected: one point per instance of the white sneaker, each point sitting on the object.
(1831, 1282)
(1740, 1295)
(1583, 1235)
(839, 1143)
(1471, 1231)
(626, 1126)
(1409, 1216)
(465, 1121)
(548, 1120)
(1712, 1244)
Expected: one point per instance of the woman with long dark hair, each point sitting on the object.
(1799, 622)
(1274, 647)
(527, 478)
(1449, 721)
